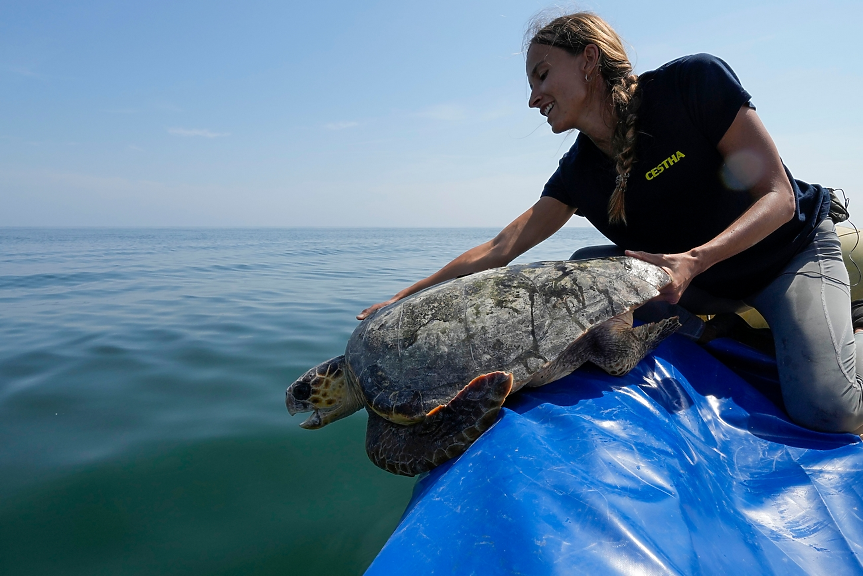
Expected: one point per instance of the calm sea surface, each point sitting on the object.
(142, 375)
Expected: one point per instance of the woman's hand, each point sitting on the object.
(372, 309)
(682, 268)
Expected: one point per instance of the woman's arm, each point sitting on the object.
(752, 157)
(540, 221)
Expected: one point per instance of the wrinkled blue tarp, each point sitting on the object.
(681, 467)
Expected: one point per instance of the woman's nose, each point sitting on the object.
(533, 99)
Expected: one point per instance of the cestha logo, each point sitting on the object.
(665, 164)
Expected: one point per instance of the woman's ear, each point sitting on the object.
(591, 59)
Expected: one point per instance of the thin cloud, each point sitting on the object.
(196, 132)
(447, 112)
(22, 71)
(340, 125)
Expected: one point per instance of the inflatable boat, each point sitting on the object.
(687, 465)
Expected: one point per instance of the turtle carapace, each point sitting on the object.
(433, 369)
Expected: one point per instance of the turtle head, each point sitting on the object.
(325, 391)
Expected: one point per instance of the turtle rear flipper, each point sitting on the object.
(618, 350)
(446, 432)
(615, 346)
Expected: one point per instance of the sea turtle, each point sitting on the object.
(433, 369)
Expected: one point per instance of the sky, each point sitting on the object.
(372, 113)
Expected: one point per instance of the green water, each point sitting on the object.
(262, 505)
(142, 377)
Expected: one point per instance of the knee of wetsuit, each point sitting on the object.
(827, 416)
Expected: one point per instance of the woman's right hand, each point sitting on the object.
(372, 309)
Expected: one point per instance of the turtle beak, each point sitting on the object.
(313, 422)
(295, 406)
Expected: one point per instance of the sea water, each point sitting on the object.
(142, 376)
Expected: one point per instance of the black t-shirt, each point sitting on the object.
(679, 194)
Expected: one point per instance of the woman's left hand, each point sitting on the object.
(681, 267)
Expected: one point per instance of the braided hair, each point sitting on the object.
(574, 32)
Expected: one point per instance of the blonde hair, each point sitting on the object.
(573, 33)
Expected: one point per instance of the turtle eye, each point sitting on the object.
(301, 390)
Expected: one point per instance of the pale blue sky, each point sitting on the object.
(375, 113)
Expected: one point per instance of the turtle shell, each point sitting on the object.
(419, 352)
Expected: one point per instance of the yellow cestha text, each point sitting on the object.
(651, 174)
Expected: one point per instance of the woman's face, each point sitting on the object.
(557, 86)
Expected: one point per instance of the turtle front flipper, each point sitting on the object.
(445, 433)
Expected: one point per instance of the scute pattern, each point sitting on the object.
(418, 353)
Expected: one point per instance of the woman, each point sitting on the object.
(676, 169)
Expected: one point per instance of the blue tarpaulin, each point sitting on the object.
(680, 467)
